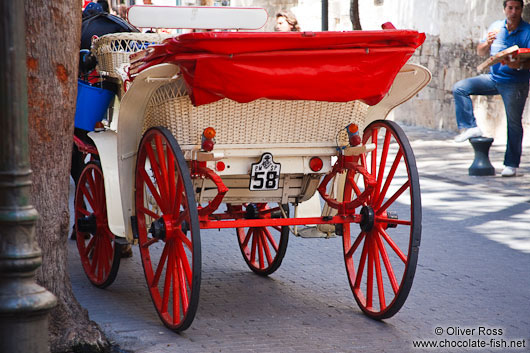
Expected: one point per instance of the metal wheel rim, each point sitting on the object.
(98, 252)
(179, 264)
(372, 251)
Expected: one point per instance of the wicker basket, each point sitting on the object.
(262, 121)
(113, 50)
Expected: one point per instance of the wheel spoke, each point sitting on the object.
(179, 195)
(388, 265)
(370, 274)
(163, 170)
(389, 179)
(374, 152)
(176, 291)
(95, 255)
(247, 237)
(257, 235)
(183, 289)
(352, 249)
(106, 255)
(149, 242)
(89, 246)
(266, 247)
(184, 239)
(394, 197)
(155, 167)
(378, 275)
(88, 197)
(184, 262)
(362, 262)
(148, 212)
(392, 244)
(270, 237)
(152, 188)
(171, 179)
(254, 246)
(160, 267)
(83, 211)
(169, 273)
(92, 187)
(382, 164)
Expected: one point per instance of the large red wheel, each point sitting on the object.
(168, 228)
(99, 253)
(263, 248)
(381, 256)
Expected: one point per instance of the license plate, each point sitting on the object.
(265, 175)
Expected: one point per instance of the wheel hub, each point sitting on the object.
(158, 229)
(251, 211)
(87, 224)
(165, 228)
(368, 218)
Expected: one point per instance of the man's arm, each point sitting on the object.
(483, 48)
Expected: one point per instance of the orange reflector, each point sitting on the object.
(209, 132)
(220, 166)
(353, 128)
(316, 164)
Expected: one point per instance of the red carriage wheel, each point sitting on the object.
(168, 228)
(263, 248)
(99, 253)
(381, 257)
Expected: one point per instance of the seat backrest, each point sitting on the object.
(197, 17)
(409, 81)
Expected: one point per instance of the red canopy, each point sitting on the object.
(323, 66)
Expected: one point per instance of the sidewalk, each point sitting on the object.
(307, 305)
(439, 157)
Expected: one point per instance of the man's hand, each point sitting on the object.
(513, 62)
(491, 37)
(483, 49)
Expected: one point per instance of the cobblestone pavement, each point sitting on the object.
(473, 272)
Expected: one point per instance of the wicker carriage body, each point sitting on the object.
(293, 131)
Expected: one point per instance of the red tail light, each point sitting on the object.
(316, 164)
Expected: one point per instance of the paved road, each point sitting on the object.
(473, 273)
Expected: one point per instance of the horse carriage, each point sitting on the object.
(243, 130)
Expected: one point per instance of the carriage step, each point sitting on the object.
(121, 241)
(313, 232)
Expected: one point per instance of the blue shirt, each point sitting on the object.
(520, 37)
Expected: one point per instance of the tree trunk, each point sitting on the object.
(354, 15)
(53, 40)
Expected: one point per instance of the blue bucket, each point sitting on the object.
(92, 104)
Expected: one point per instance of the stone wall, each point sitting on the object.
(453, 29)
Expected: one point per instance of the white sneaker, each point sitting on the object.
(508, 171)
(468, 133)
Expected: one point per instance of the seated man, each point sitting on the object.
(509, 79)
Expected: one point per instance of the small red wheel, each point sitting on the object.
(168, 228)
(381, 257)
(99, 253)
(263, 248)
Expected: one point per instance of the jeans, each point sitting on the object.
(514, 97)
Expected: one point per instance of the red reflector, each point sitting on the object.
(220, 166)
(207, 145)
(316, 164)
